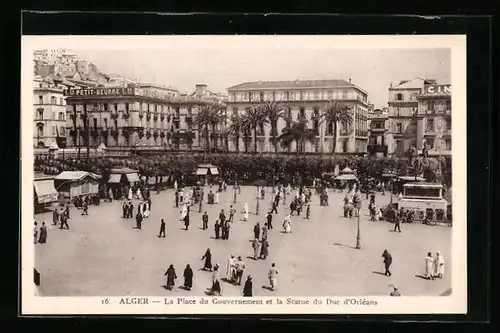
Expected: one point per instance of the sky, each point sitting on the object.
(220, 65)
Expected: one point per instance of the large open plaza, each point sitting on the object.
(103, 255)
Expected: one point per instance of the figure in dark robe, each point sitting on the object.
(170, 277)
(186, 221)
(256, 231)
(138, 220)
(43, 234)
(264, 249)
(188, 277)
(208, 260)
(247, 288)
(217, 229)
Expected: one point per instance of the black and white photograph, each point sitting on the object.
(244, 174)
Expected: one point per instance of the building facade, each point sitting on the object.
(377, 128)
(49, 107)
(434, 119)
(137, 116)
(402, 121)
(306, 100)
(419, 110)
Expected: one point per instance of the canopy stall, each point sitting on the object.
(77, 183)
(132, 177)
(207, 171)
(201, 172)
(116, 176)
(346, 177)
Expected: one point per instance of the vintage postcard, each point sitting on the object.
(244, 175)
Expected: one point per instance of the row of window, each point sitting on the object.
(144, 107)
(55, 130)
(40, 114)
(53, 100)
(431, 125)
(431, 143)
(293, 95)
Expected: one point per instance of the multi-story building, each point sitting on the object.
(147, 116)
(402, 122)
(305, 100)
(377, 128)
(49, 111)
(434, 119)
(407, 100)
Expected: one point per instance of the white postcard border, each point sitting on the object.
(454, 303)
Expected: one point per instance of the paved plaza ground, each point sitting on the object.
(103, 255)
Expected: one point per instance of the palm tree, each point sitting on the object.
(217, 118)
(334, 113)
(224, 134)
(207, 115)
(235, 129)
(273, 111)
(253, 118)
(298, 133)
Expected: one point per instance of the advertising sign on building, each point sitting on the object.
(99, 91)
(437, 89)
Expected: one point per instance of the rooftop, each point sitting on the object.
(297, 84)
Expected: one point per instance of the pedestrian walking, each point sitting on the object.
(439, 265)
(222, 216)
(256, 230)
(264, 249)
(207, 266)
(163, 227)
(35, 232)
(170, 277)
(240, 268)
(64, 222)
(43, 234)
(273, 276)
(269, 220)
(387, 262)
(264, 232)
(217, 229)
(138, 220)
(188, 278)
(232, 211)
(308, 211)
(248, 287)
(85, 209)
(429, 266)
(397, 222)
(255, 246)
(204, 220)
(215, 289)
(231, 268)
(186, 221)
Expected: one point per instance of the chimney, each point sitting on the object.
(349, 80)
(201, 89)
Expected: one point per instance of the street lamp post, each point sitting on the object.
(358, 236)
(357, 205)
(234, 198)
(258, 204)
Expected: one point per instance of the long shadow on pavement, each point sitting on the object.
(343, 245)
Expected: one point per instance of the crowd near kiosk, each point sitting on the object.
(207, 173)
(121, 180)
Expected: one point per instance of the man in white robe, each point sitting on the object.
(231, 268)
(439, 263)
(429, 267)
